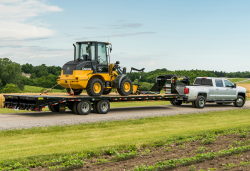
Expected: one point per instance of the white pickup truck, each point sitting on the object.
(209, 89)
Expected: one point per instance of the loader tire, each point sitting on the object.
(106, 91)
(95, 87)
(126, 87)
(76, 91)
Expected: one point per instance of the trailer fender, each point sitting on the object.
(118, 80)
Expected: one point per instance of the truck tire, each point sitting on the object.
(239, 102)
(126, 87)
(103, 106)
(106, 91)
(95, 87)
(76, 91)
(200, 102)
(84, 107)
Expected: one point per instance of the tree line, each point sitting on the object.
(46, 76)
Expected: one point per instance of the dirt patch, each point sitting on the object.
(128, 160)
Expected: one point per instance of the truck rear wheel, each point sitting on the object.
(200, 102)
(84, 107)
(126, 87)
(239, 102)
(95, 87)
(103, 106)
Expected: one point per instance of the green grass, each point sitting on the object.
(34, 89)
(245, 82)
(112, 105)
(233, 80)
(101, 135)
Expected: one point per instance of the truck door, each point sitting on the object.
(230, 90)
(220, 90)
(102, 61)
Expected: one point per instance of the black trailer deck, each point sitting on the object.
(80, 104)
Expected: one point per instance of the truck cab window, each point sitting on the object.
(228, 83)
(219, 83)
(102, 55)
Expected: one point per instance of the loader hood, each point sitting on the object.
(70, 66)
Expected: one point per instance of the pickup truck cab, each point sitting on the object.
(209, 89)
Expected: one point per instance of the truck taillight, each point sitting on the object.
(186, 90)
(165, 88)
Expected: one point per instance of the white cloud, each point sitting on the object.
(14, 13)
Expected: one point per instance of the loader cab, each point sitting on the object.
(95, 53)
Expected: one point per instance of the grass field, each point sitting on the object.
(96, 136)
(34, 89)
(234, 80)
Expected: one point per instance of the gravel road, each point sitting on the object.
(40, 119)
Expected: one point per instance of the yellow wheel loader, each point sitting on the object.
(92, 71)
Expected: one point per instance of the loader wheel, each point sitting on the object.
(76, 91)
(126, 87)
(106, 91)
(95, 87)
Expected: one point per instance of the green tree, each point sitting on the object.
(11, 88)
(10, 72)
(27, 68)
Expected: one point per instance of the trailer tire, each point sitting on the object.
(95, 87)
(84, 107)
(200, 102)
(126, 87)
(239, 102)
(106, 91)
(95, 107)
(103, 106)
(175, 102)
(54, 108)
(75, 108)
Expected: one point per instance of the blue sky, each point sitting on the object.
(177, 35)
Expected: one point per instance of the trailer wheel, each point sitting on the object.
(200, 102)
(95, 107)
(95, 87)
(84, 107)
(126, 87)
(75, 108)
(106, 91)
(103, 106)
(239, 102)
(54, 108)
(175, 102)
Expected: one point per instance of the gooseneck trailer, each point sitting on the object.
(82, 104)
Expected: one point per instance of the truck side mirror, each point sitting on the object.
(234, 86)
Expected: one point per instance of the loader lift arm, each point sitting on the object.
(136, 86)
